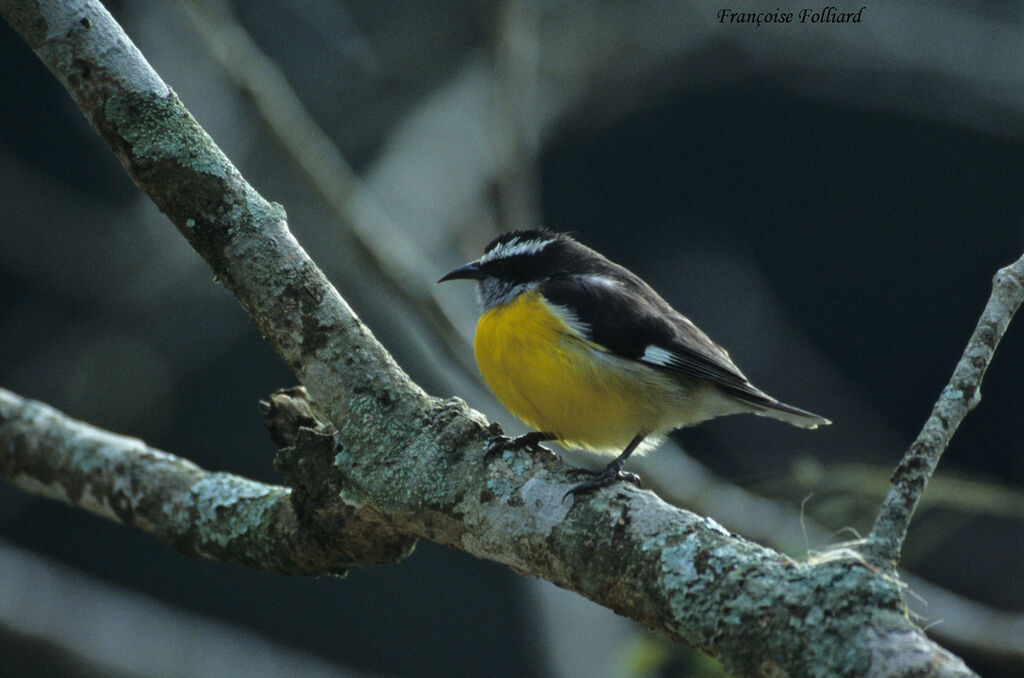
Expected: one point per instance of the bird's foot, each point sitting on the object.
(531, 442)
(603, 478)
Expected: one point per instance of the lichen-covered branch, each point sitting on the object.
(201, 513)
(418, 461)
(626, 549)
(882, 546)
(243, 237)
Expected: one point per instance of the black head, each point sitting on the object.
(518, 261)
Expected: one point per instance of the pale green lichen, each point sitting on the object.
(519, 464)
(158, 127)
(717, 588)
(228, 507)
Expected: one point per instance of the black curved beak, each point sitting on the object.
(470, 271)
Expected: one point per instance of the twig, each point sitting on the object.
(374, 233)
(323, 163)
(883, 545)
(959, 492)
(517, 90)
(62, 621)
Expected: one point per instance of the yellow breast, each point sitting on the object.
(549, 376)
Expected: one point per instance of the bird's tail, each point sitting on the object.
(764, 405)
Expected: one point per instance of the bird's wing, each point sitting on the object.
(622, 314)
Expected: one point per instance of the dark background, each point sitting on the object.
(830, 209)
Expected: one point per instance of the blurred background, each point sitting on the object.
(828, 201)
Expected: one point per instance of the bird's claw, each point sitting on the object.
(602, 478)
(531, 442)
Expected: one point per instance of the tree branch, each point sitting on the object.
(962, 394)
(626, 549)
(388, 246)
(419, 460)
(201, 513)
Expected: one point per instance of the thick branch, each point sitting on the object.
(244, 238)
(960, 396)
(663, 566)
(200, 513)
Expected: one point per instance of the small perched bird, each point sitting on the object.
(586, 353)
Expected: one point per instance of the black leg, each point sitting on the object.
(528, 441)
(611, 472)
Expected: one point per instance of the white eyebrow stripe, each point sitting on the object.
(515, 247)
(656, 355)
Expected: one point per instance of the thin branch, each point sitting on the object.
(883, 545)
(374, 232)
(64, 622)
(201, 513)
(516, 76)
(965, 494)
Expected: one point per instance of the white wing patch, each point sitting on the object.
(656, 355)
(599, 280)
(515, 247)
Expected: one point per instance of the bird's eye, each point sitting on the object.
(501, 268)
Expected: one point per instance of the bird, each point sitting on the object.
(588, 355)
